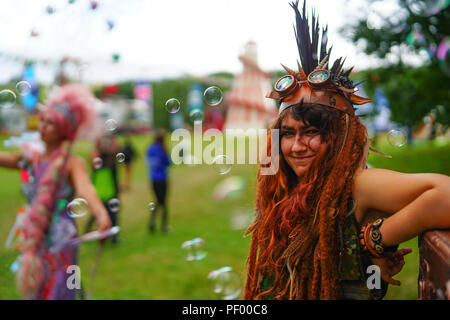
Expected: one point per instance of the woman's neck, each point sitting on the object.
(49, 149)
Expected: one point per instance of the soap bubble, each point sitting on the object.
(396, 137)
(7, 98)
(240, 219)
(120, 157)
(114, 205)
(443, 55)
(196, 114)
(226, 283)
(433, 7)
(443, 48)
(77, 208)
(220, 164)
(194, 249)
(400, 27)
(431, 50)
(213, 96)
(152, 206)
(173, 105)
(231, 188)
(97, 163)
(23, 88)
(415, 37)
(111, 124)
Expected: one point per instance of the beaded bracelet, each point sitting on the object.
(371, 232)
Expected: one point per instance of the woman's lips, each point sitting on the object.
(302, 158)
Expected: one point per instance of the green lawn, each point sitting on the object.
(148, 266)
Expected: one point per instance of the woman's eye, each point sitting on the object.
(312, 131)
(286, 133)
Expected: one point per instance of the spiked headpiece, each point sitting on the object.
(314, 83)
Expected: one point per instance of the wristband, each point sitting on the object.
(371, 232)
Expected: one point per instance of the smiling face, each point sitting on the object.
(301, 144)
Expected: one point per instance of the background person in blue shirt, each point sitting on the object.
(158, 162)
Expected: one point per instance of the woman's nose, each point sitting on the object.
(300, 144)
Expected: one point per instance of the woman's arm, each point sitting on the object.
(415, 202)
(10, 159)
(86, 190)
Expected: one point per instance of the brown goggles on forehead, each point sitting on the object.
(316, 88)
(288, 84)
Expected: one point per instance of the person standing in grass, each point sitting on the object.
(105, 179)
(322, 217)
(54, 178)
(158, 162)
(130, 154)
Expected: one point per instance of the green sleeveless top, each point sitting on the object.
(352, 266)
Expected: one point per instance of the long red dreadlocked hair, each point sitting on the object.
(295, 233)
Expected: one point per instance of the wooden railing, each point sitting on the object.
(434, 268)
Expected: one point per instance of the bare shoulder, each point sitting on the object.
(76, 162)
(389, 191)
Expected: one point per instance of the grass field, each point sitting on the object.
(146, 266)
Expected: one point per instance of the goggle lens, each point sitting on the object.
(284, 83)
(318, 76)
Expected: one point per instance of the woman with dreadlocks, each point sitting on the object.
(51, 179)
(322, 217)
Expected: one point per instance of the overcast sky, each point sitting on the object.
(162, 38)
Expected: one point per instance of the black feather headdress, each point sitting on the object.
(315, 83)
(311, 50)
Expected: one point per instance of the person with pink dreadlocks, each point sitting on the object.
(52, 179)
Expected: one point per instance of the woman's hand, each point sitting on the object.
(10, 159)
(413, 202)
(392, 265)
(86, 190)
(103, 222)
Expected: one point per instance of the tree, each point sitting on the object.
(416, 27)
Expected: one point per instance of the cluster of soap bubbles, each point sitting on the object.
(225, 282)
(212, 96)
(152, 206)
(427, 8)
(79, 207)
(8, 97)
(415, 37)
